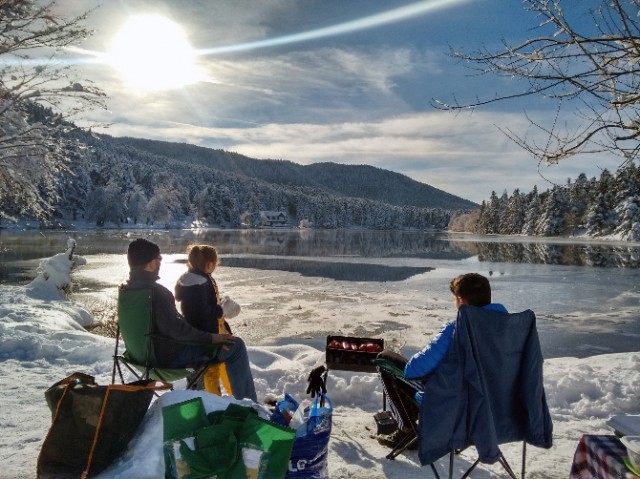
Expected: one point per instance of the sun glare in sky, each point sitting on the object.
(153, 53)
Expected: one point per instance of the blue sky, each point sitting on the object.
(358, 94)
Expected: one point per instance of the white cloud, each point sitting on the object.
(462, 154)
(363, 103)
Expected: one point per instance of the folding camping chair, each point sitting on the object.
(487, 391)
(402, 397)
(399, 397)
(134, 324)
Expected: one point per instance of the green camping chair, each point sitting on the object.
(134, 324)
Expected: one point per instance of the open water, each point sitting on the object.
(586, 294)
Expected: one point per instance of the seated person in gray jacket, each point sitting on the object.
(470, 288)
(170, 329)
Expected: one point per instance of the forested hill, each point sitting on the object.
(357, 181)
(119, 181)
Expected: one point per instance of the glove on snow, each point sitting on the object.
(230, 308)
(317, 379)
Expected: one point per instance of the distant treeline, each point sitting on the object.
(607, 206)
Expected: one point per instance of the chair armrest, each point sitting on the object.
(389, 367)
(420, 379)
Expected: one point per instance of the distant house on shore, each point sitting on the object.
(273, 218)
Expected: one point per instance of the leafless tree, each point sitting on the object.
(592, 72)
(39, 95)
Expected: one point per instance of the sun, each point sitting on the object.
(153, 53)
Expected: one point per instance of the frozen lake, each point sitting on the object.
(586, 294)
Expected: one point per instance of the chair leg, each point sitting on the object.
(401, 446)
(113, 371)
(116, 367)
(411, 438)
(524, 457)
(115, 356)
(451, 464)
(502, 460)
(468, 472)
(191, 380)
(120, 372)
(408, 441)
(404, 444)
(507, 467)
(132, 371)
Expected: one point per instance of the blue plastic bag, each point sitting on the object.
(310, 450)
(284, 410)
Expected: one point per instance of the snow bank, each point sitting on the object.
(43, 341)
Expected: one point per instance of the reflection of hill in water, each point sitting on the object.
(315, 243)
(25, 246)
(328, 243)
(331, 270)
(564, 254)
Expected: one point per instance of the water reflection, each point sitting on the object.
(332, 270)
(367, 244)
(331, 243)
(20, 250)
(561, 254)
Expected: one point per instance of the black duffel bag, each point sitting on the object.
(92, 424)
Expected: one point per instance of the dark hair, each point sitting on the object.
(473, 288)
(140, 252)
(199, 255)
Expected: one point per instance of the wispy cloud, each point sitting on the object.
(344, 101)
(321, 86)
(405, 12)
(468, 157)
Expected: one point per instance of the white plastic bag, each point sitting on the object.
(299, 418)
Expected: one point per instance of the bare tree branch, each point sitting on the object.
(600, 68)
(39, 96)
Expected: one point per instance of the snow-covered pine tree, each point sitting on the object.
(579, 195)
(136, 204)
(627, 199)
(552, 212)
(105, 204)
(601, 214)
(512, 219)
(490, 213)
(532, 205)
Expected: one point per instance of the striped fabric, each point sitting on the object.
(600, 457)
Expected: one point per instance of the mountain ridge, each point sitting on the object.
(356, 181)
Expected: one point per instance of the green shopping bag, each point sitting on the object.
(231, 444)
(215, 448)
(183, 419)
(235, 416)
(215, 451)
(181, 422)
(265, 449)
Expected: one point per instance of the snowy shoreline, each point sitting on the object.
(43, 340)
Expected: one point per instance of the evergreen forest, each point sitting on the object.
(608, 206)
(125, 181)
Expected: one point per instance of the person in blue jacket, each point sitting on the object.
(470, 288)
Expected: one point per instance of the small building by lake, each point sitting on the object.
(273, 218)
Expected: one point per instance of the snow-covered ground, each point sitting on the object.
(284, 314)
